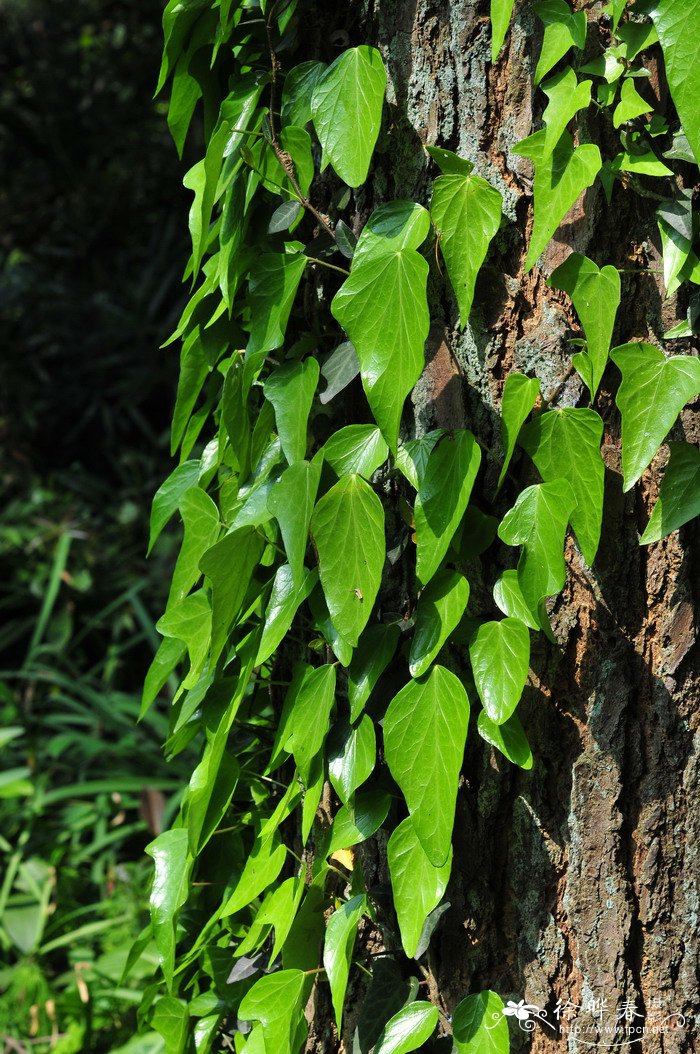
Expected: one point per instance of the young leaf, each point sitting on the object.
(425, 730)
(449, 163)
(261, 868)
(563, 29)
(519, 396)
(190, 621)
(509, 599)
(653, 392)
(417, 886)
(351, 756)
(352, 826)
(290, 389)
(500, 658)
(341, 931)
(631, 104)
(356, 448)
(169, 495)
(229, 566)
(283, 217)
(274, 280)
(566, 97)
(298, 90)
(291, 501)
(466, 213)
(347, 527)
(595, 293)
(412, 456)
(276, 1001)
(201, 519)
(559, 179)
(565, 444)
(678, 25)
(383, 309)
(310, 716)
(480, 1026)
(679, 499)
(346, 107)
(408, 1030)
(538, 522)
(393, 226)
(169, 892)
(508, 738)
(501, 13)
(442, 498)
(375, 652)
(440, 609)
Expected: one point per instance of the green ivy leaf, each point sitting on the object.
(440, 609)
(229, 566)
(645, 163)
(202, 179)
(538, 522)
(631, 104)
(351, 826)
(466, 212)
(375, 652)
(346, 107)
(393, 226)
(500, 658)
(341, 931)
(678, 25)
(356, 448)
(274, 280)
(559, 179)
(190, 621)
(169, 653)
(262, 867)
(347, 527)
(201, 519)
(563, 29)
(653, 392)
(519, 396)
(442, 498)
(501, 13)
(412, 456)
(171, 1020)
(276, 1001)
(565, 444)
(408, 1030)
(285, 599)
(298, 90)
(425, 730)
(417, 885)
(595, 293)
(509, 599)
(310, 716)
(290, 389)
(383, 309)
(479, 1025)
(386, 994)
(566, 97)
(351, 756)
(171, 881)
(167, 498)
(312, 795)
(291, 501)
(508, 738)
(679, 499)
(449, 163)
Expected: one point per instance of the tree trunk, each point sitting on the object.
(577, 880)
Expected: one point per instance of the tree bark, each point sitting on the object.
(577, 880)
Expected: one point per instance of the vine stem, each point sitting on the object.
(323, 263)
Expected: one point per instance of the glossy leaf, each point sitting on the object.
(275, 1000)
(290, 389)
(449, 163)
(262, 867)
(383, 309)
(479, 1025)
(566, 97)
(679, 498)
(500, 658)
(201, 519)
(425, 730)
(466, 213)
(412, 456)
(501, 13)
(442, 498)
(565, 444)
(169, 495)
(509, 599)
(408, 1030)
(356, 448)
(190, 621)
(339, 370)
(354, 825)
(291, 501)
(417, 885)
(538, 522)
(169, 892)
(298, 90)
(171, 1019)
(595, 293)
(653, 392)
(375, 652)
(347, 527)
(440, 609)
(563, 29)
(274, 280)
(229, 566)
(285, 600)
(393, 226)
(341, 931)
(678, 25)
(631, 104)
(508, 738)
(309, 717)
(352, 755)
(346, 107)
(519, 396)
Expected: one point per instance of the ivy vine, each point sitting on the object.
(307, 514)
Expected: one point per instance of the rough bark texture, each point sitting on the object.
(579, 879)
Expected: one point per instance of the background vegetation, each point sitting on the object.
(92, 232)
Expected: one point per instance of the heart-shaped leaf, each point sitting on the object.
(440, 609)
(679, 499)
(417, 885)
(500, 658)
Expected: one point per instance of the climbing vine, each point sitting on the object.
(320, 592)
